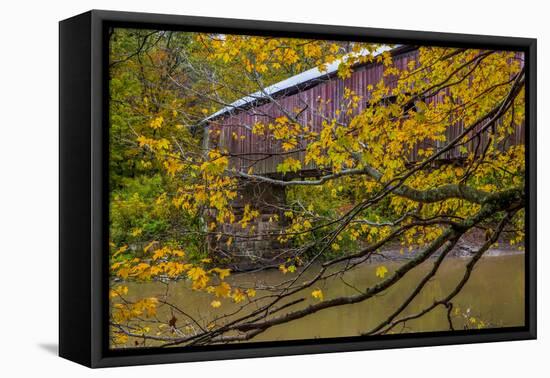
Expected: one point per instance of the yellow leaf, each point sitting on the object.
(199, 277)
(251, 292)
(159, 253)
(157, 123)
(120, 250)
(289, 165)
(120, 338)
(381, 271)
(148, 246)
(222, 290)
(142, 140)
(317, 294)
(123, 273)
(238, 296)
(287, 146)
(118, 291)
(215, 303)
(178, 253)
(137, 231)
(222, 273)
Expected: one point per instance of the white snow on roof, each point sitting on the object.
(292, 81)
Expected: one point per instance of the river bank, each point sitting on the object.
(466, 247)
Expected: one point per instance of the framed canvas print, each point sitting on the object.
(233, 188)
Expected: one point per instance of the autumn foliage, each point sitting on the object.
(173, 187)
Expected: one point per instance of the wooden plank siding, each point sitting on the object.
(233, 130)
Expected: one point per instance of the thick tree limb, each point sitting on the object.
(426, 196)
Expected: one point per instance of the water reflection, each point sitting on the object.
(493, 297)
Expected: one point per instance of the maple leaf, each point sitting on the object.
(222, 273)
(120, 250)
(157, 123)
(317, 294)
(381, 271)
(238, 296)
(222, 290)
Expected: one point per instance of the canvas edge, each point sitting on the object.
(75, 292)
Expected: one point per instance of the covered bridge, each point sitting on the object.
(231, 129)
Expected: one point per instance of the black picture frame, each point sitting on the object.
(83, 195)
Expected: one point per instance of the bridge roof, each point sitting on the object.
(292, 82)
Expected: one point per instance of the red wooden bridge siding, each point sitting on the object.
(232, 131)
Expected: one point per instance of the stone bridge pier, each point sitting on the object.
(256, 244)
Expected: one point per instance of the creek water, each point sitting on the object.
(493, 297)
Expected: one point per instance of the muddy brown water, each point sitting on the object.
(493, 297)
